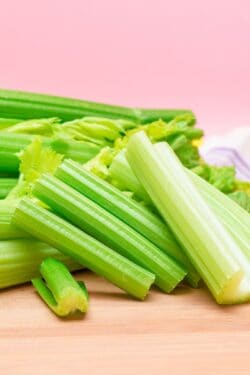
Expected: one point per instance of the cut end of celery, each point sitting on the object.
(236, 291)
(73, 301)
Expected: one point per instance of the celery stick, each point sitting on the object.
(77, 151)
(61, 292)
(73, 242)
(6, 184)
(210, 247)
(233, 217)
(236, 220)
(121, 171)
(11, 143)
(29, 105)
(108, 229)
(126, 209)
(20, 260)
(9, 231)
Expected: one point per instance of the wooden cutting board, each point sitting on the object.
(182, 333)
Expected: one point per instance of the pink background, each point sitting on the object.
(179, 53)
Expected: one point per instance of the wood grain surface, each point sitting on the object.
(182, 333)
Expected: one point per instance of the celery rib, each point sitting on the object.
(75, 243)
(11, 143)
(117, 203)
(60, 291)
(20, 260)
(108, 229)
(29, 105)
(121, 171)
(6, 184)
(209, 245)
(8, 231)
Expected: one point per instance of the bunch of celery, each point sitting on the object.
(144, 209)
(103, 242)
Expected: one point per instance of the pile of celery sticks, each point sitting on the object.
(121, 191)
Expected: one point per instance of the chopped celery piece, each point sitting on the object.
(214, 252)
(27, 105)
(126, 209)
(6, 184)
(20, 260)
(73, 242)
(110, 230)
(60, 291)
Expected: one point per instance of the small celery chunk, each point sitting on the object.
(60, 291)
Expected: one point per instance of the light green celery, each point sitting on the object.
(43, 126)
(210, 247)
(96, 130)
(110, 230)
(6, 184)
(126, 209)
(73, 242)
(60, 291)
(6, 122)
(11, 144)
(121, 176)
(234, 218)
(14, 143)
(20, 260)
(27, 105)
(8, 230)
(78, 151)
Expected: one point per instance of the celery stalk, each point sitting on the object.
(233, 217)
(110, 230)
(73, 242)
(126, 209)
(6, 184)
(119, 204)
(11, 143)
(20, 260)
(121, 171)
(29, 105)
(8, 231)
(210, 247)
(61, 292)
